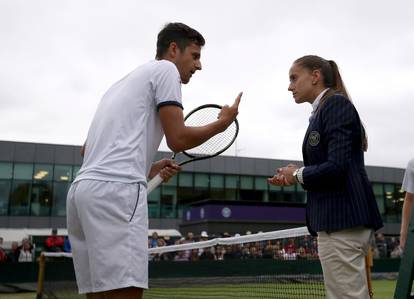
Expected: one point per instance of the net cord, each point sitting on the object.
(280, 234)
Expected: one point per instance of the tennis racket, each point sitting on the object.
(214, 146)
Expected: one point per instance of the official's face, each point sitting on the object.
(302, 84)
(188, 62)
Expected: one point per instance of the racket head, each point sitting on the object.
(217, 144)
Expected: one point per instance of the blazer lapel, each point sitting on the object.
(305, 157)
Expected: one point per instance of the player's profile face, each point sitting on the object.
(188, 62)
(301, 84)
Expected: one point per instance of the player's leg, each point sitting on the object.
(125, 293)
(100, 295)
(78, 242)
(115, 221)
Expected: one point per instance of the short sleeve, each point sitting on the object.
(408, 182)
(167, 85)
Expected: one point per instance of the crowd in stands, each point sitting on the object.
(285, 249)
(304, 247)
(25, 251)
(17, 253)
(386, 247)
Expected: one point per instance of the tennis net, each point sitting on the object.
(280, 264)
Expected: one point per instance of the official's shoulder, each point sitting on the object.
(337, 100)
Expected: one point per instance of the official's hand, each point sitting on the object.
(284, 176)
(276, 180)
(166, 168)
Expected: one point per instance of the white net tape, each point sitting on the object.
(281, 234)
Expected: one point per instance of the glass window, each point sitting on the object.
(154, 196)
(168, 201)
(43, 172)
(230, 194)
(23, 171)
(289, 193)
(20, 198)
(300, 194)
(172, 181)
(201, 180)
(60, 191)
(393, 203)
(217, 190)
(251, 195)
(377, 189)
(6, 170)
(216, 181)
(276, 196)
(62, 173)
(75, 171)
(41, 199)
(274, 188)
(185, 179)
(246, 182)
(289, 188)
(389, 188)
(232, 181)
(260, 183)
(154, 203)
(380, 203)
(4, 196)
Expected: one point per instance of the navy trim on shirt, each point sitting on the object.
(175, 103)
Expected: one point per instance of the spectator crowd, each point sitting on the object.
(25, 251)
(304, 247)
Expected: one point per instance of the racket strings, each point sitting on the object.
(216, 143)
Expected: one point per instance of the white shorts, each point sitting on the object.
(108, 230)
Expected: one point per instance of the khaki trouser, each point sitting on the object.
(342, 256)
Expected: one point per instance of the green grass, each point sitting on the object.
(383, 289)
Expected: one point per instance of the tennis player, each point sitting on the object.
(107, 203)
(341, 207)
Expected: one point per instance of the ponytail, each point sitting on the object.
(337, 84)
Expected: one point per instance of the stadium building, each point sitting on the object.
(221, 194)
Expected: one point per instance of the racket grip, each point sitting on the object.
(154, 183)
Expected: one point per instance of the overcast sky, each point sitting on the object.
(57, 58)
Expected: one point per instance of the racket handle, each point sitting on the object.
(154, 183)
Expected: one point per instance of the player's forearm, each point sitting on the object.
(190, 137)
(406, 212)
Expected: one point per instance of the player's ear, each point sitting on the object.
(173, 50)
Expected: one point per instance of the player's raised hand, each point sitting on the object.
(229, 113)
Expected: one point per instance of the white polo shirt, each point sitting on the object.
(408, 182)
(126, 130)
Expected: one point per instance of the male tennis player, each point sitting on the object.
(107, 202)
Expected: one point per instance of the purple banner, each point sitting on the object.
(237, 212)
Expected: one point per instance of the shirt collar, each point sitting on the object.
(315, 103)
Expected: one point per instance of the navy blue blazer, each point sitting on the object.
(339, 194)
